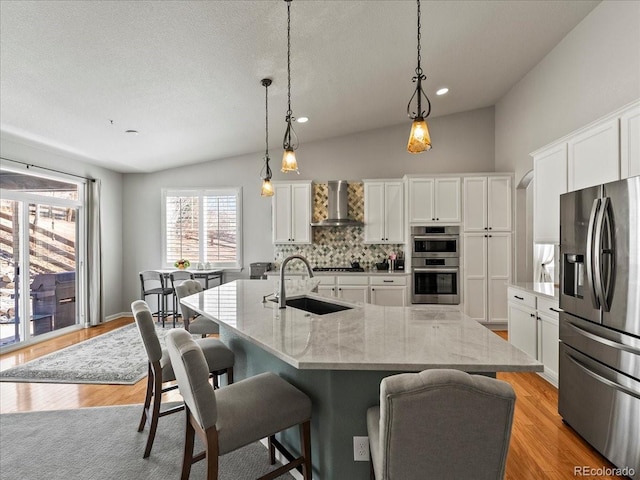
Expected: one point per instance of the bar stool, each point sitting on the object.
(152, 283)
(178, 277)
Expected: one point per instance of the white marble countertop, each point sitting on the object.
(275, 273)
(546, 289)
(366, 337)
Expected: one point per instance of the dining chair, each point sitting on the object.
(440, 423)
(152, 283)
(193, 322)
(177, 277)
(219, 359)
(237, 415)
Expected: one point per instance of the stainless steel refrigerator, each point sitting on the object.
(599, 377)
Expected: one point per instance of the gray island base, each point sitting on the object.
(340, 358)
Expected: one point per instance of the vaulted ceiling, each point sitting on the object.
(186, 74)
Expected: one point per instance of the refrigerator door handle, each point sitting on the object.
(589, 263)
(603, 340)
(602, 379)
(606, 253)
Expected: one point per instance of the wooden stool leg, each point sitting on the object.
(147, 399)
(187, 458)
(155, 412)
(212, 453)
(272, 450)
(305, 447)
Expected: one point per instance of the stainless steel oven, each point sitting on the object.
(432, 242)
(435, 280)
(435, 265)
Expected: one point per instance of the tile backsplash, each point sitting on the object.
(337, 246)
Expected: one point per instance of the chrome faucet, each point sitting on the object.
(282, 300)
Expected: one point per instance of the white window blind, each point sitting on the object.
(203, 226)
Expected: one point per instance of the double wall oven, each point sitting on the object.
(435, 265)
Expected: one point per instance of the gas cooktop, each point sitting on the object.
(338, 269)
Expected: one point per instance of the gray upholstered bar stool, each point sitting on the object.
(193, 322)
(177, 277)
(440, 424)
(218, 357)
(237, 415)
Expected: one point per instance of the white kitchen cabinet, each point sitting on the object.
(630, 142)
(434, 200)
(389, 290)
(523, 328)
(593, 155)
(487, 203)
(291, 210)
(383, 212)
(486, 274)
(534, 329)
(352, 288)
(550, 181)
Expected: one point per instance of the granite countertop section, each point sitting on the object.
(544, 289)
(366, 337)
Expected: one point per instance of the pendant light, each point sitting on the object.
(290, 141)
(266, 174)
(419, 138)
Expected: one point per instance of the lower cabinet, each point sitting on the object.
(534, 329)
(388, 290)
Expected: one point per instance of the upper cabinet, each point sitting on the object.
(550, 181)
(603, 151)
(487, 203)
(292, 212)
(434, 200)
(593, 156)
(383, 211)
(630, 142)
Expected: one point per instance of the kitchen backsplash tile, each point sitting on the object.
(337, 246)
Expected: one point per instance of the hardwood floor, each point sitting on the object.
(542, 446)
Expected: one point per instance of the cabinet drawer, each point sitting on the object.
(326, 279)
(388, 280)
(352, 280)
(548, 307)
(521, 297)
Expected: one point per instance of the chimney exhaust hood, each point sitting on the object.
(338, 207)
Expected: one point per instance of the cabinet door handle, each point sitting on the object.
(387, 281)
(438, 219)
(339, 289)
(554, 310)
(489, 228)
(519, 298)
(532, 314)
(373, 289)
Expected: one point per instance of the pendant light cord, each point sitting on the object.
(418, 69)
(266, 121)
(289, 112)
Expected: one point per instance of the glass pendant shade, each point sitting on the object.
(419, 138)
(267, 188)
(289, 163)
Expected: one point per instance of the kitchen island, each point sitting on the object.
(340, 358)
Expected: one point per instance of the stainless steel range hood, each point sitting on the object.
(338, 206)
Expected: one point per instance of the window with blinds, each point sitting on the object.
(203, 226)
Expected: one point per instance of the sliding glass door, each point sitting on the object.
(40, 250)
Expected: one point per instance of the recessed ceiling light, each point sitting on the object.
(302, 119)
(132, 132)
(442, 91)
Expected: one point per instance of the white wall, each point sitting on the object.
(14, 148)
(463, 142)
(594, 70)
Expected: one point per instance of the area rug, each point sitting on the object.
(117, 357)
(102, 443)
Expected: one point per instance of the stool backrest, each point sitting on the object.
(192, 374)
(151, 279)
(178, 276)
(444, 424)
(147, 329)
(186, 288)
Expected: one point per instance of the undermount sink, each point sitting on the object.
(313, 305)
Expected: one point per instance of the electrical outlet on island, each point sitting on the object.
(360, 449)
